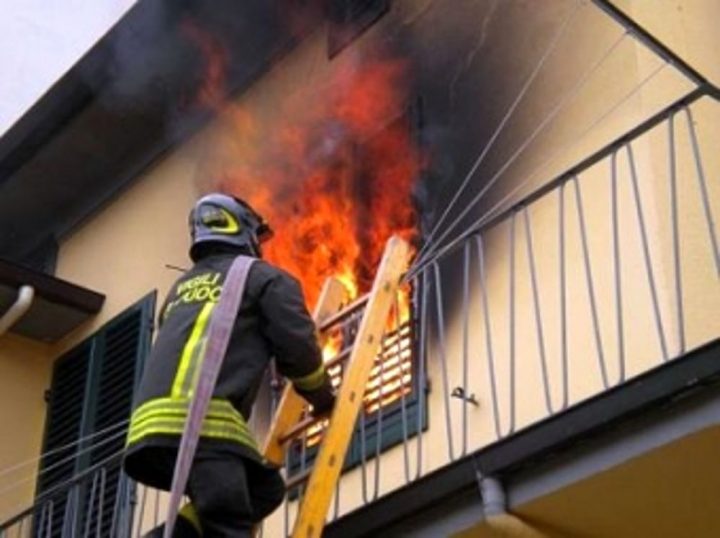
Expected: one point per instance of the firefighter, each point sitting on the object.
(230, 486)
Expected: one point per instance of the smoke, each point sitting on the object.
(331, 161)
(152, 61)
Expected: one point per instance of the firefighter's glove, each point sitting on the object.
(322, 401)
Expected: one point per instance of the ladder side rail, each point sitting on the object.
(328, 464)
(291, 405)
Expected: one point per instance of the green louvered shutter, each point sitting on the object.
(90, 402)
(63, 429)
(123, 346)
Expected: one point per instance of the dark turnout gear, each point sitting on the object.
(272, 321)
(247, 494)
(219, 218)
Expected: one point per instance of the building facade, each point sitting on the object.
(563, 182)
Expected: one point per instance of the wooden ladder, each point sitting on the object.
(288, 423)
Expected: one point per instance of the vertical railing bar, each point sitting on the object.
(440, 321)
(700, 172)
(101, 502)
(38, 516)
(41, 517)
(563, 293)
(379, 418)
(488, 337)
(67, 514)
(286, 502)
(466, 330)
(51, 513)
(403, 398)
(646, 252)
(78, 511)
(114, 527)
(590, 283)
(127, 510)
(303, 457)
(126, 519)
(120, 492)
(70, 522)
(156, 517)
(674, 217)
(141, 515)
(512, 299)
(537, 311)
(363, 450)
(89, 515)
(363, 471)
(619, 318)
(421, 372)
(43, 513)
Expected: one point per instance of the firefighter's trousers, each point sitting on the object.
(229, 494)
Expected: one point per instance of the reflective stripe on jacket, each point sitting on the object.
(272, 321)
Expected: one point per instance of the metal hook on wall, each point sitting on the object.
(459, 392)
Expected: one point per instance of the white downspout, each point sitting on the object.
(18, 308)
(494, 499)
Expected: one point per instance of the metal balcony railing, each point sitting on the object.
(606, 272)
(95, 502)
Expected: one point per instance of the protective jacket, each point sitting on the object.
(272, 322)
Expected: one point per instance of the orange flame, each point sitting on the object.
(330, 164)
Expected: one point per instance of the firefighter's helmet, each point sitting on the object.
(219, 218)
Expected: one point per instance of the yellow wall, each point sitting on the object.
(123, 249)
(24, 375)
(666, 493)
(591, 34)
(121, 252)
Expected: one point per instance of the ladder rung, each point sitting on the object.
(298, 479)
(309, 421)
(339, 358)
(300, 427)
(356, 305)
(305, 423)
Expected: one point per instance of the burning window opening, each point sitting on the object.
(392, 398)
(392, 376)
(333, 166)
(391, 379)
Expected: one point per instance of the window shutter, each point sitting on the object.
(117, 368)
(90, 401)
(117, 371)
(64, 420)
